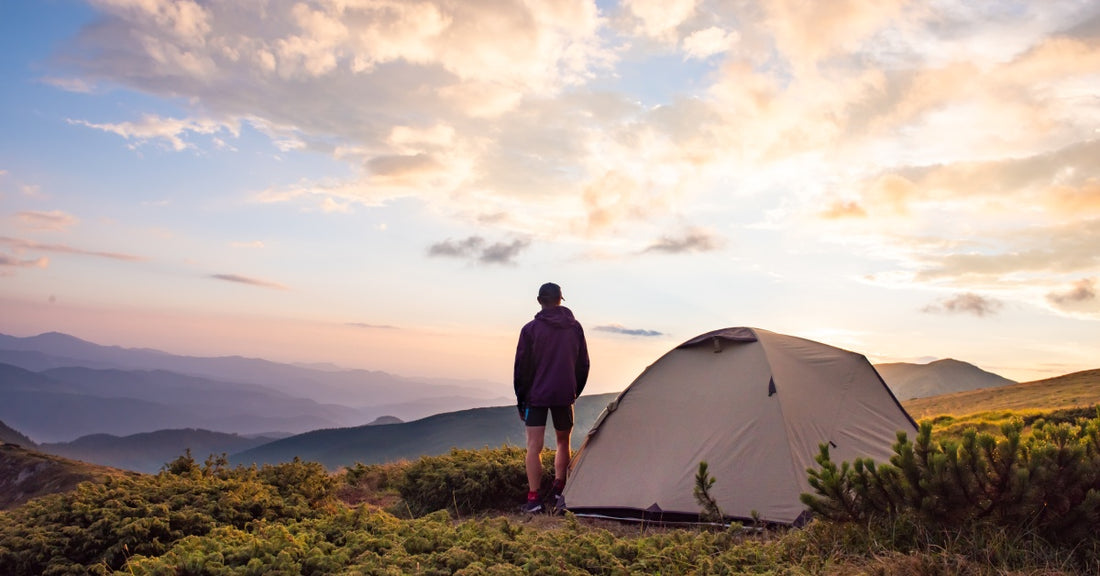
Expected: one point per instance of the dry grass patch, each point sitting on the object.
(1069, 391)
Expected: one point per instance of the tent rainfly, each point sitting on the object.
(753, 404)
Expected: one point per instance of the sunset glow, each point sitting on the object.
(384, 184)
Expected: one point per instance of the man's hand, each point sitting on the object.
(522, 411)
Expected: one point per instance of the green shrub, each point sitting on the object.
(703, 483)
(377, 477)
(211, 520)
(97, 526)
(1047, 484)
(468, 481)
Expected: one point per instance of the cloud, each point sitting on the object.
(28, 245)
(476, 248)
(52, 220)
(619, 329)
(249, 281)
(169, 130)
(10, 261)
(703, 44)
(418, 89)
(503, 252)
(1019, 224)
(898, 111)
(398, 49)
(1064, 181)
(840, 209)
(967, 303)
(806, 33)
(371, 326)
(457, 248)
(404, 170)
(695, 240)
(659, 19)
(1068, 248)
(185, 20)
(252, 244)
(330, 205)
(1084, 290)
(76, 85)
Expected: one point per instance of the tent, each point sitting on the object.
(753, 404)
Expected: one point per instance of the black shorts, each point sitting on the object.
(536, 416)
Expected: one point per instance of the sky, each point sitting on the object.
(384, 184)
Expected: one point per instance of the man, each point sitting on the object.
(550, 373)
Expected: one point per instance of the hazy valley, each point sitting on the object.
(136, 409)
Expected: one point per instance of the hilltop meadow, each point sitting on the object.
(1015, 490)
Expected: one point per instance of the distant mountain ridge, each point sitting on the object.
(25, 474)
(438, 434)
(947, 376)
(72, 388)
(494, 426)
(354, 388)
(150, 451)
(134, 409)
(66, 403)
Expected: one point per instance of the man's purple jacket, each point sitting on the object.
(551, 359)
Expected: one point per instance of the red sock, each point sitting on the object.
(559, 485)
(532, 495)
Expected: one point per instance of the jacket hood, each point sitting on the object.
(558, 317)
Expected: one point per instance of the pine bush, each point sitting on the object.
(98, 526)
(1047, 483)
(469, 481)
(703, 483)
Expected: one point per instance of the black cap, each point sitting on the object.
(550, 291)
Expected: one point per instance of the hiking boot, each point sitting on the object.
(558, 507)
(531, 507)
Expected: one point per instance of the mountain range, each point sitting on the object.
(139, 408)
(150, 451)
(475, 428)
(61, 387)
(356, 388)
(947, 376)
(25, 473)
(492, 427)
(66, 403)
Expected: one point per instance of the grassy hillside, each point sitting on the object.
(1063, 398)
(26, 474)
(1068, 391)
(9, 435)
(472, 429)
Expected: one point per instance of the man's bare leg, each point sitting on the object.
(561, 458)
(535, 436)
